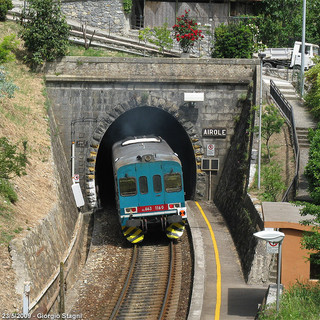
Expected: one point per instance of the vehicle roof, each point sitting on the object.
(127, 151)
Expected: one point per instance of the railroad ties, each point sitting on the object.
(153, 284)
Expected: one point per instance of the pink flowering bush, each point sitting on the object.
(186, 32)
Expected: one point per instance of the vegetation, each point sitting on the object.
(186, 32)
(5, 6)
(313, 94)
(300, 302)
(311, 240)
(236, 40)
(280, 22)
(160, 36)
(7, 87)
(272, 122)
(272, 182)
(22, 118)
(45, 32)
(7, 46)
(127, 6)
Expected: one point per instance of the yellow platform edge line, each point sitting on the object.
(218, 265)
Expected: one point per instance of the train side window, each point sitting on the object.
(128, 186)
(143, 184)
(157, 186)
(172, 182)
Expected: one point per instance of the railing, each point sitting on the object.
(286, 110)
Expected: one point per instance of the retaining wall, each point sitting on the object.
(36, 257)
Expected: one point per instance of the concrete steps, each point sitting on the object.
(302, 135)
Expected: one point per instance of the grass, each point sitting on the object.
(76, 50)
(300, 302)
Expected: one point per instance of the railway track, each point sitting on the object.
(152, 287)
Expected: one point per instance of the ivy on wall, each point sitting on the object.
(127, 6)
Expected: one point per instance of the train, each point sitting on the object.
(148, 187)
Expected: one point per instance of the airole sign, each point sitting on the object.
(214, 132)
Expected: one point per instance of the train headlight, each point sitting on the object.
(174, 205)
(130, 210)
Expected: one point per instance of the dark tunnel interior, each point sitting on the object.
(144, 121)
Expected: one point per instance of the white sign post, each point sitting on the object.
(210, 150)
(273, 237)
(272, 247)
(78, 197)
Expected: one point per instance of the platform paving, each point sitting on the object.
(239, 300)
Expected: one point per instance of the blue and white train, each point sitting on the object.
(149, 187)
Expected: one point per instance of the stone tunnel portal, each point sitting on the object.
(144, 121)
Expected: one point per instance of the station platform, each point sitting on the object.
(218, 293)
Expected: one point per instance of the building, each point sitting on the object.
(295, 265)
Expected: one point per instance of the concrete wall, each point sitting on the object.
(101, 89)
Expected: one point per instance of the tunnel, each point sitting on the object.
(144, 121)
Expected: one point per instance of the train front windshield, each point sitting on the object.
(172, 182)
(128, 186)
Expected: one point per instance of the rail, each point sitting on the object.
(152, 273)
(287, 111)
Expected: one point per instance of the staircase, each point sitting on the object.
(302, 135)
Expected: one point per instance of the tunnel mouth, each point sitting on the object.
(138, 122)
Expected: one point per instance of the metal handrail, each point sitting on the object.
(286, 109)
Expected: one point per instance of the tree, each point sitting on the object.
(235, 40)
(272, 122)
(280, 22)
(5, 6)
(45, 32)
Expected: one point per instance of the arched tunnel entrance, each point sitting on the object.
(144, 121)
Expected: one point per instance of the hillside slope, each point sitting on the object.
(24, 118)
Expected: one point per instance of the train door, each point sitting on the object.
(173, 183)
(128, 193)
(150, 183)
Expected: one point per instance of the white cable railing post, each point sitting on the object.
(25, 299)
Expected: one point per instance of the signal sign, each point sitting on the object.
(210, 149)
(272, 247)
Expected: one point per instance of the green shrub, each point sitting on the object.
(5, 6)
(7, 87)
(7, 191)
(313, 94)
(46, 32)
(312, 170)
(272, 182)
(8, 45)
(234, 41)
(127, 6)
(160, 36)
(12, 162)
(301, 301)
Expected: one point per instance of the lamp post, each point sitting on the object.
(277, 237)
(261, 56)
(303, 45)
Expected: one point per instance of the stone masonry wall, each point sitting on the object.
(102, 89)
(102, 14)
(231, 190)
(37, 257)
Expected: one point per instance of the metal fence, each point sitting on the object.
(286, 110)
